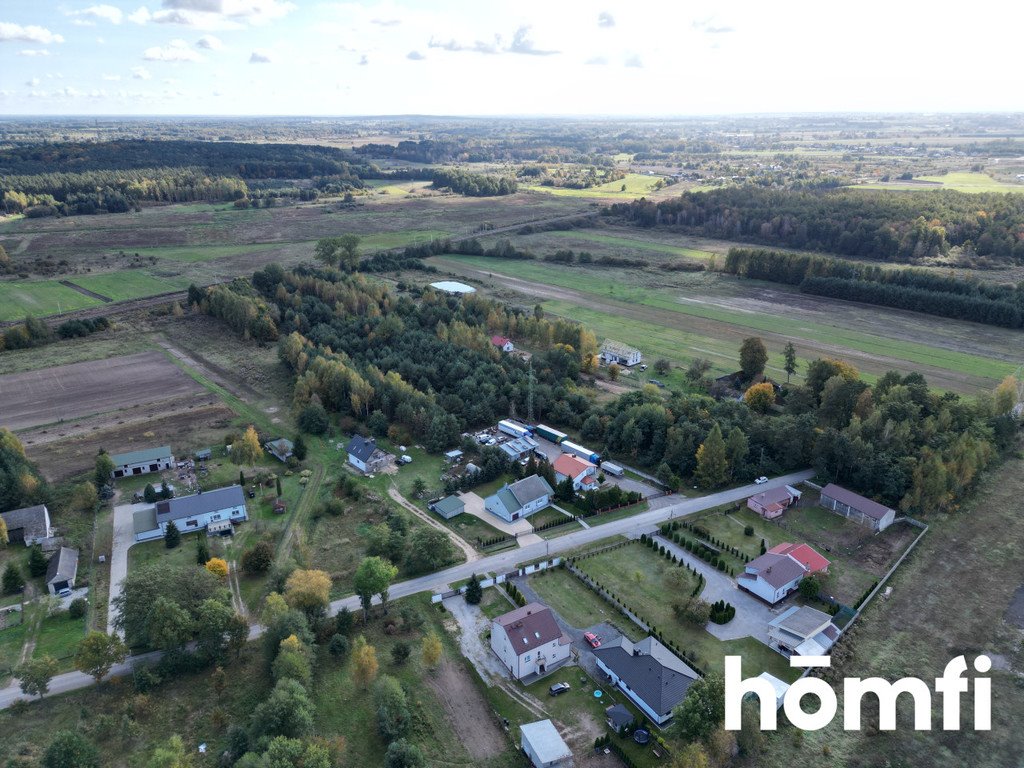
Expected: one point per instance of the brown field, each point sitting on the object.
(83, 389)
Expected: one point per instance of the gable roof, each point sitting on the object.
(780, 495)
(802, 620)
(282, 448)
(530, 627)
(651, 671)
(143, 456)
(361, 447)
(500, 341)
(450, 504)
(33, 521)
(618, 348)
(777, 570)
(619, 716)
(62, 566)
(571, 466)
(872, 509)
(804, 554)
(530, 489)
(200, 503)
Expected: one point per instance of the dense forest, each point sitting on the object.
(891, 226)
(474, 184)
(912, 289)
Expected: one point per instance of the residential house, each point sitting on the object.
(649, 673)
(802, 631)
(543, 746)
(521, 499)
(365, 456)
(771, 503)
(519, 448)
(804, 554)
(142, 462)
(619, 353)
(281, 449)
(61, 570)
(583, 473)
(529, 641)
(772, 576)
(215, 511)
(449, 507)
(503, 343)
(28, 526)
(852, 505)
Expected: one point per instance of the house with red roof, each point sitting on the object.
(771, 503)
(804, 554)
(503, 343)
(582, 472)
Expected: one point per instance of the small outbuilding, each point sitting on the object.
(619, 353)
(449, 507)
(544, 746)
(852, 505)
(618, 717)
(62, 570)
(28, 525)
(281, 449)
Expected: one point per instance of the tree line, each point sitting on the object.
(473, 184)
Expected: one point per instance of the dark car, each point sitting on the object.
(558, 688)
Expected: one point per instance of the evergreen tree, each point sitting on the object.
(172, 536)
(789, 353)
(202, 551)
(474, 592)
(149, 494)
(712, 460)
(299, 449)
(277, 482)
(36, 561)
(13, 580)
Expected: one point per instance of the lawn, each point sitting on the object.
(11, 641)
(192, 253)
(633, 185)
(470, 527)
(59, 636)
(548, 515)
(632, 243)
(130, 284)
(39, 298)
(577, 604)
(960, 182)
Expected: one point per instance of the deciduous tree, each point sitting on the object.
(35, 675)
(753, 357)
(364, 663)
(760, 397)
(99, 652)
(103, 470)
(432, 650)
(247, 449)
(373, 577)
(218, 566)
(70, 749)
(308, 591)
(703, 709)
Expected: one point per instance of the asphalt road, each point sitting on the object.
(499, 563)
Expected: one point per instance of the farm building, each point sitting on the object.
(772, 576)
(802, 631)
(453, 288)
(364, 455)
(543, 746)
(28, 526)
(142, 462)
(503, 343)
(649, 673)
(529, 641)
(62, 570)
(449, 507)
(519, 448)
(852, 505)
(215, 511)
(772, 503)
(521, 499)
(803, 554)
(619, 353)
(583, 473)
(281, 449)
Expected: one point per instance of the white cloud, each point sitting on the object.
(176, 50)
(98, 13)
(261, 56)
(33, 83)
(219, 14)
(605, 19)
(83, 23)
(140, 16)
(415, 56)
(112, 78)
(210, 43)
(34, 52)
(363, 61)
(140, 73)
(29, 34)
(634, 61)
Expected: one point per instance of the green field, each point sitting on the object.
(636, 184)
(635, 244)
(39, 298)
(130, 284)
(959, 182)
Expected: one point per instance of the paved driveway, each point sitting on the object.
(475, 507)
(124, 538)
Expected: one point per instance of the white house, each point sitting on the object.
(529, 641)
(772, 503)
(521, 499)
(803, 631)
(364, 455)
(215, 511)
(649, 673)
(62, 570)
(772, 576)
(582, 472)
(28, 525)
(543, 746)
(142, 462)
(875, 516)
(503, 343)
(619, 353)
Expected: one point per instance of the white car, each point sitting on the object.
(761, 480)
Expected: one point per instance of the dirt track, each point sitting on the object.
(72, 391)
(467, 711)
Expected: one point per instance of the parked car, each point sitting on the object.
(657, 383)
(64, 593)
(643, 366)
(761, 480)
(558, 688)
(593, 640)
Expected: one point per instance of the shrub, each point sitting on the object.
(258, 558)
(748, 531)
(338, 646)
(78, 608)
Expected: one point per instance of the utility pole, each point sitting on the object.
(529, 394)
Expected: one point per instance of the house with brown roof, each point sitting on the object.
(771, 503)
(529, 641)
(503, 343)
(852, 505)
(582, 472)
(772, 576)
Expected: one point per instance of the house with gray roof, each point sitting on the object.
(142, 462)
(653, 677)
(529, 641)
(772, 576)
(364, 455)
(521, 499)
(852, 505)
(802, 631)
(62, 570)
(519, 448)
(28, 525)
(216, 511)
(281, 449)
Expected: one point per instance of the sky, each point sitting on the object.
(531, 57)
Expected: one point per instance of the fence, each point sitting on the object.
(501, 578)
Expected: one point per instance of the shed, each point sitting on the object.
(281, 449)
(204, 454)
(619, 717)
(542, 744)
(449, 507)
(453, 457)
(62, 570)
